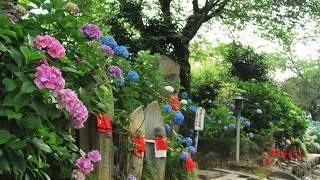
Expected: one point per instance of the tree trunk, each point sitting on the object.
(182, 57)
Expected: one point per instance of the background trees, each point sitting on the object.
(168, 26)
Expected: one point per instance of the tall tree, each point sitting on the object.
(167, 26)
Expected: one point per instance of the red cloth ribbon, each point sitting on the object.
(273, 152)
(267, 160)
(283, 154)
(103, 123)
(278, 152)
(174, 102)
(190, 165)
(294, 153)
(140, 146)
(161, 144)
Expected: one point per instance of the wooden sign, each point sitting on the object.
(199, 121)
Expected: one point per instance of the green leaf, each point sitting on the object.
(18, 163)
(73, 70)
(3, 48)
(5, 136)
(1, 152)
(30, 55)
(40, 144)
(16, 56)
(28, 87)
(4, 164)
(12, 114)
(8, 32)
(31, 122)
(18, 144)
(9, 84)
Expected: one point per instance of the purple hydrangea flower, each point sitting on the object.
(107, 49)
(247, 123)
(69, 100)
(121, 50)
(91, 31)
(133, 75)
(115, 71)
(167, 127)
(94, 156)
(192, 150)
(179, 139)
(178, 118)
(131, 178)
(109, 41)
(183, 155)
(84, 165)
(188, 141)
(250, 135)
(167, 108)
(48, 77)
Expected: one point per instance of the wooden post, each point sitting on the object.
(134, 163)
(238, 137)
(91, 139)
(153, 119)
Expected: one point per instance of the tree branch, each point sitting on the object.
(165, 6)
(195, 6)
(195, 21)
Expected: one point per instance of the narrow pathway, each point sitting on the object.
(223, 174)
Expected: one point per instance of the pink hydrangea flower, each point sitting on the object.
(94, 156)
(115, 71)
(54, 48)
(48, 77)
(77, 175)
(77, 110)
(84, 165)
(107, 49)
(11, 16)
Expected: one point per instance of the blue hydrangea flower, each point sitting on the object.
(247, 123)
(225, 101)
(193, 109)
(183, 155)
(178, 118)
(179, 139)
(251, 135)
(109, 41)
(167, 108)
(242, 119)
(192, 150)
(231, 126)
(232, 106)
(167, 127)
(121, 50)
(191, 132)
(188, 141)
(189, 101)
(185, 94)
(120, 81)
(133, 75)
